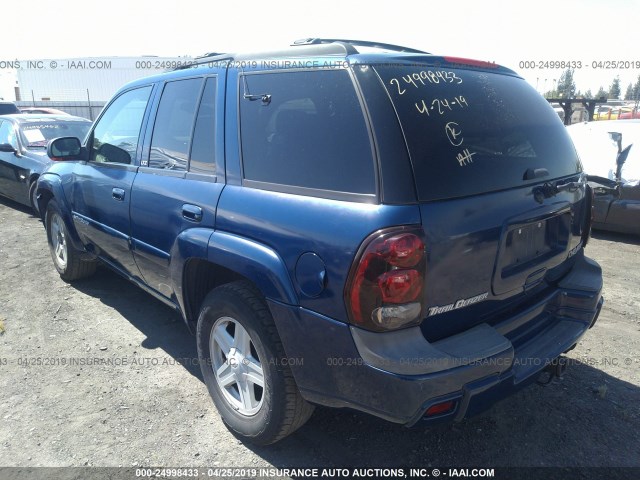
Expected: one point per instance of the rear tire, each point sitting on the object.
(67, 259)
(244, 366)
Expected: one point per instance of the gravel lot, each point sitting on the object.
(152, 407)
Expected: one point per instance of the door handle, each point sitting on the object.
(192, 212)
(118, 194)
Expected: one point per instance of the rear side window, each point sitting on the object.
(470, 132)
(310, 133)
(174, 123)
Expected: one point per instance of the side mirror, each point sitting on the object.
(64, 148)
(8, 148)
(112, 154)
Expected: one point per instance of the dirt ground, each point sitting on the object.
(149, 406)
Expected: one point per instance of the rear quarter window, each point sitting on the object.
(311, 133)
(470, 132)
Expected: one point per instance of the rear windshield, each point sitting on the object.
(470, 132)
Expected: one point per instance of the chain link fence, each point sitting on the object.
(72, 101)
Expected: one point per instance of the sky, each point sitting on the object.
(507, 32)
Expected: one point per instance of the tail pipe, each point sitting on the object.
(555, 369)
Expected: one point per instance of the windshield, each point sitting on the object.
(471, 132)
(38, 134)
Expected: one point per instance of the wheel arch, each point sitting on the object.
(229, 258)
(47, 185)
(49, 188)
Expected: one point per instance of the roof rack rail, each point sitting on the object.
(209, 54)
(354, 43)
(201, 59)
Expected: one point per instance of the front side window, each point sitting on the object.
(305, 129)
(116, 136)
(174, 123)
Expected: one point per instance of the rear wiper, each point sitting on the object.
(548, 190)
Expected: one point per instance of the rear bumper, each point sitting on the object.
(399, 375)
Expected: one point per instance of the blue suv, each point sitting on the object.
(341, 223)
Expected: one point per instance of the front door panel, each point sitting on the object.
(101, 198)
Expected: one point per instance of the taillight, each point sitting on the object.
(386, 284)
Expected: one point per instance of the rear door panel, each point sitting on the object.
(186, 134)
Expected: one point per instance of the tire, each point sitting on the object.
(32, 197)
(67, 260)
(234, 319)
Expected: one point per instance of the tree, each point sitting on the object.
(601, 93)
(636, 89)
(566, 85)
(614, 89)
(629, 94)
(588, 94)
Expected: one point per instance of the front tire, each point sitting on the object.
(67, 259)
(33, 197)
(244, 366)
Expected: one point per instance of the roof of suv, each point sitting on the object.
(357, 50)
(312, 47)
(351, 51)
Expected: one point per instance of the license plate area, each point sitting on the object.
(528, 249)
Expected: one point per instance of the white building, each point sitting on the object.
(8, 84)
(78, 79)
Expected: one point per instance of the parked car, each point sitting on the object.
(610, 153)
(41, 110)
(348, 224)
(631, 113)
(23, 150)
(609, 112)
(8, 108)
